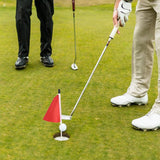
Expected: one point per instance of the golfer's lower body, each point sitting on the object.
(45, 11)
(147, 29)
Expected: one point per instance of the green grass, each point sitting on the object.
(98, 131)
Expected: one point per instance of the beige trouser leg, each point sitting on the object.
(156, 6)
(142, 54)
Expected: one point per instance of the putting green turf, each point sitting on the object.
(97, 130)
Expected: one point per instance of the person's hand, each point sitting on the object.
(124, 9)
(115, 19)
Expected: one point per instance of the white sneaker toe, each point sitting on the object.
(147, 122)
(127, 100)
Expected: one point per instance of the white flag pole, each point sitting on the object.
(59, 96)
(61, 138)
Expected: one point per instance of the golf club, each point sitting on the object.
(114, 31)
(74, 66)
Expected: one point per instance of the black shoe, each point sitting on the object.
(21, 62)
(47, 61)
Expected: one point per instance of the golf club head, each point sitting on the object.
(66, 117)
(74, 66)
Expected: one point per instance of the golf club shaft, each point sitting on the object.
(73, 5)
(110, 38)
(74, 26)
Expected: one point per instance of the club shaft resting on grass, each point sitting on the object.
(114, 31)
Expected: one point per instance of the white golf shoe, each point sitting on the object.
(151, 121)
(127, 100)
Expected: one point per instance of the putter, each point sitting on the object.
(114, 31)
(74, 66)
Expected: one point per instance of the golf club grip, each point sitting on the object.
(114, 31)
(73, 5)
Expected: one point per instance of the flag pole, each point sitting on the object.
(61, 137)
(59, 95)
(54, 114)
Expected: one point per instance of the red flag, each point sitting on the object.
(54, 111)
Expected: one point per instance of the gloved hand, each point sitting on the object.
(124, 9)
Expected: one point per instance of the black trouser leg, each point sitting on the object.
(23, 13)
(45, 11)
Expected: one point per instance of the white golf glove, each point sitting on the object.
(124, 9)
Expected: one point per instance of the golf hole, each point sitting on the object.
(64, 134)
